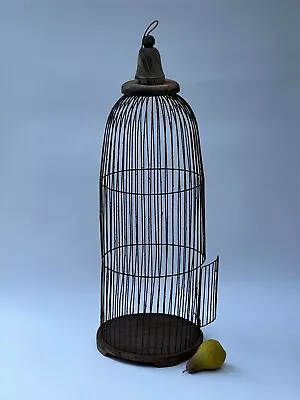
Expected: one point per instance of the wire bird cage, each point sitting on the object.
(156, 291)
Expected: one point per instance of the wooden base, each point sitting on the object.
(160, 340)
(133, 88)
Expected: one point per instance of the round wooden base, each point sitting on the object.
(160, 340)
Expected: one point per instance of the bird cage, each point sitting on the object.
(156, 291)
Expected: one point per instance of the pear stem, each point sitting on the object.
(183, 371)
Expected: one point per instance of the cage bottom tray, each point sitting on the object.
(160, 340)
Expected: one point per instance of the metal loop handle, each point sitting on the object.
(150, 29)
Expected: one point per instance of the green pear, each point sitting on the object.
(209, 356)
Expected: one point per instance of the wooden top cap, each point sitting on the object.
(149, 77)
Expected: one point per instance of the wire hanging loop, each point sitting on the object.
(149, 29)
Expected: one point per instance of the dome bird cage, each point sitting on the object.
(156, 291)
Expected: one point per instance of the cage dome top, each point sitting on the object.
(150, 79)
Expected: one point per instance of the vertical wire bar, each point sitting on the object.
(203, 294)
(182, 190)
(130, 189)
(157, 166)
(102, 218)
(125, 127)
(175, 189)
(187, 132)
(199, 294)
(212, 303)
(110, 233)
(216, 286)
(129, 280)
(211, 297)
(155, 231)
(168, 191)
(165, 198)
(215, 269)
(128, 126)
(208, 292)
(212, 267)
(114, 276)
(145, 270)
(105, 277)
(124, 168)
(118, 226)
(125, 212)
(179, 155)
(138, 263)
(145, 216)
(163, 271)
(189, 194)
(152, 224)
(110, 184)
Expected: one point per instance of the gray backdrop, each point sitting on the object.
(62, 64)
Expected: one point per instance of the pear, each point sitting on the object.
(209, 356)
